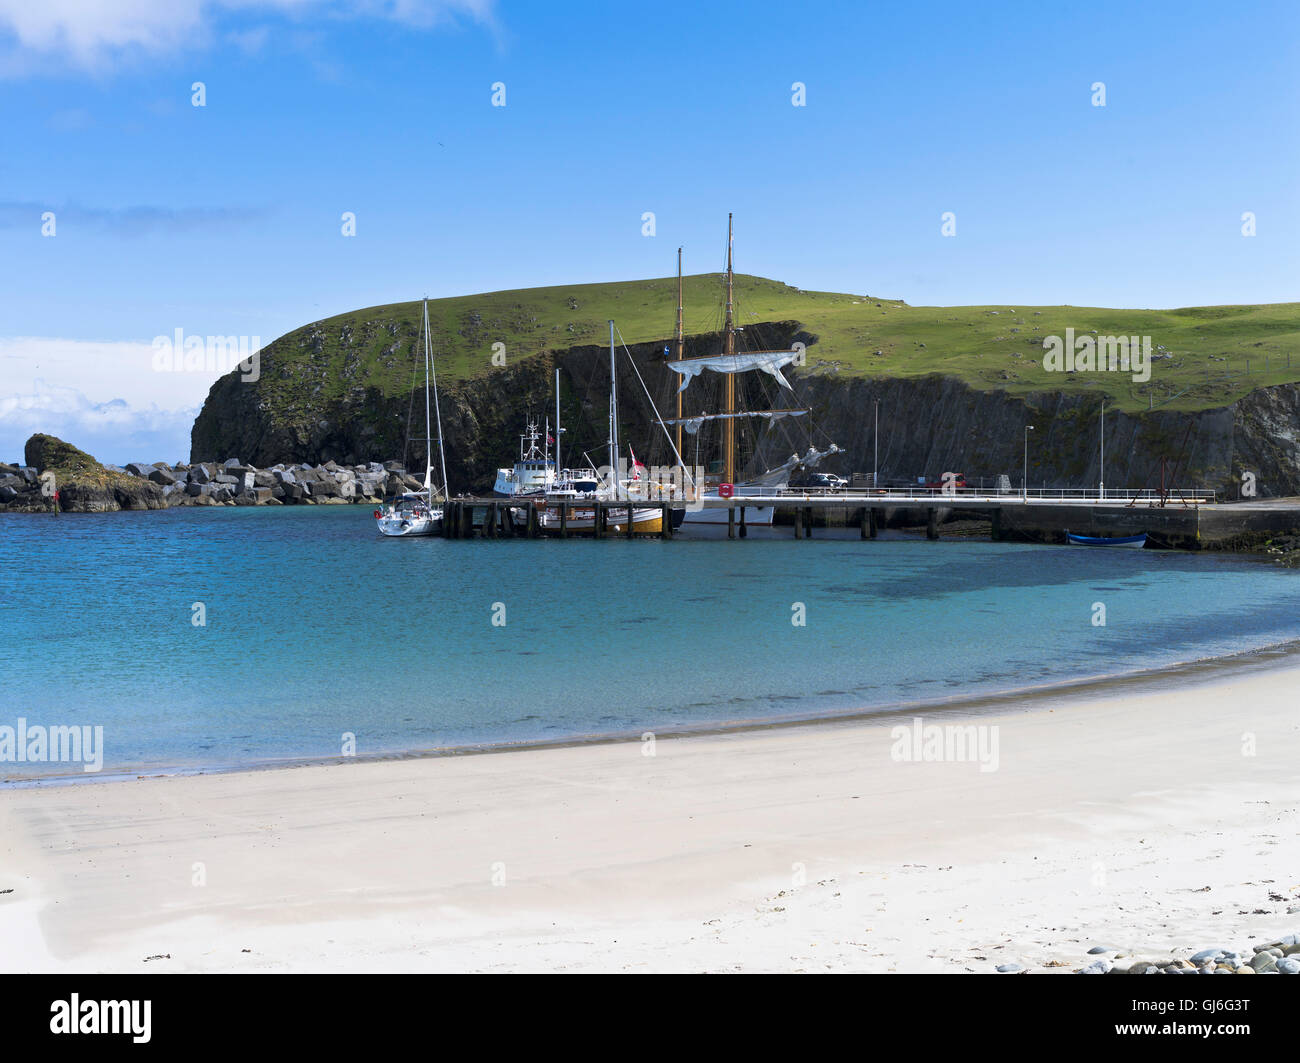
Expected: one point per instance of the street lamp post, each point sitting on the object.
(1101, 485)
(1025, 482)
(875, 461)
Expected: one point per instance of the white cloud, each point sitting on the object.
(113, 431)
(101, 370)
(94, 34)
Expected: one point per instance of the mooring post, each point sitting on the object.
(598, 521)
(631, 524)
(931, 523)
(666, 521)
(743, 530)
(731, 522)
(530, 523)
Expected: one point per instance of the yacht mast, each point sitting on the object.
(679, 344)
(557, 423)
(729, 428)
(613, 412)
(431, 372)
(428, 417)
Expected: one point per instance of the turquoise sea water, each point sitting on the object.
(316, 626)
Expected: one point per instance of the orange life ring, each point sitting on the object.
(378, 514)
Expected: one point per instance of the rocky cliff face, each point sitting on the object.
(928, 425)
(937, 424)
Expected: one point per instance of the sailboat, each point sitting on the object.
(716, 520)
(416, 513)
(569, 490)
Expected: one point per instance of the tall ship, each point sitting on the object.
(721, 487)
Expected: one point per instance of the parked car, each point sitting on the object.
(819, 481)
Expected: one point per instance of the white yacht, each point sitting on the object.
(419, 513)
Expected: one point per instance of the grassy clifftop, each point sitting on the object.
(1208, 357)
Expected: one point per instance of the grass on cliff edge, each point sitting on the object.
(1218, 353)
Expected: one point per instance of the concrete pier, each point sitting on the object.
(1181, 523)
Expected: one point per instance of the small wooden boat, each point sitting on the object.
(1134, 541)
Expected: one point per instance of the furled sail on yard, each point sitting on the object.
(771, 362)
(694, 424)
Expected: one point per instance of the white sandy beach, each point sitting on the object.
(1130, 819)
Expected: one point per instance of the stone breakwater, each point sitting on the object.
(228, 483)
(237, 484)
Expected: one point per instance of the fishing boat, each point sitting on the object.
(565, 509)
(717, 520)
(419, 513)
(536, 474)
(1134, 541)
(564, 497)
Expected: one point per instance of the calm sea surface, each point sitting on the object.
(317, 626)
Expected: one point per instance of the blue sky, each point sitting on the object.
(225, 219)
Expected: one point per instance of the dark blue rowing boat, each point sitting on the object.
(1135, 541)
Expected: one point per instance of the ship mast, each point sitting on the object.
(729, 426)
(613, 413)
(679, 344)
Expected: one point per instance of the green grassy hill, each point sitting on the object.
(1211, 357)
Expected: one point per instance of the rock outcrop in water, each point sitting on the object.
(86, 486)
(82, 484)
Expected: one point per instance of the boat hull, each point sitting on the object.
(582, 518)
(409, 527)
(1132, 542)
(712, 523)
